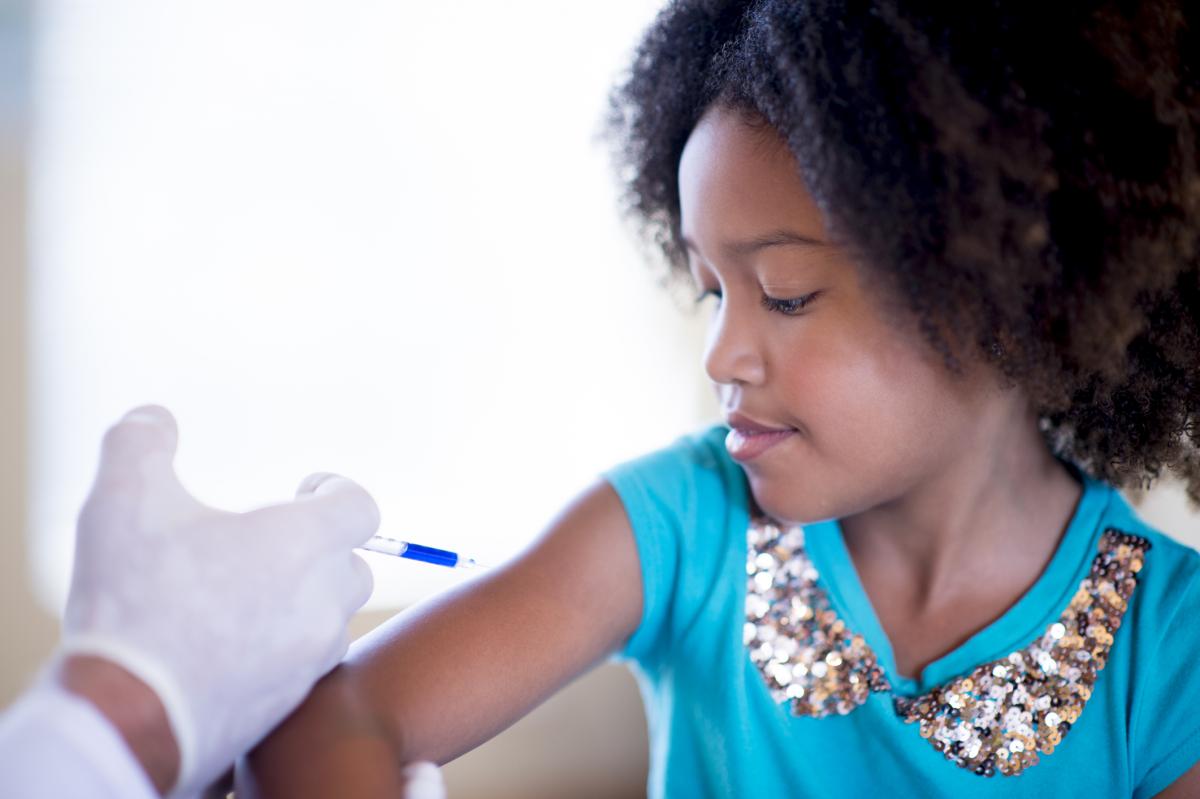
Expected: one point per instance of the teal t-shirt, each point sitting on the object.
(716, 730)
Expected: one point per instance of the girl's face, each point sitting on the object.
(866, 412)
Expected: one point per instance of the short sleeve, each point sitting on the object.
(1166, 724)
(651, 489)
(672, 497)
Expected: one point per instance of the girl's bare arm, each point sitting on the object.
(443, 677)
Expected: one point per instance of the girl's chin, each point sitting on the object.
(764, 500)
(786, 506)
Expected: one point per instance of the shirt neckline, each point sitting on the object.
(1014, 629)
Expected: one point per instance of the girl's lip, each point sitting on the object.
(745, 445)
(747, 425)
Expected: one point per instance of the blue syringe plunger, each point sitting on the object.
(407, 549)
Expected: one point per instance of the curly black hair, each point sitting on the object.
(1021, 178)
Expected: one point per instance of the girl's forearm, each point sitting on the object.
(444, 676)
(357, 757)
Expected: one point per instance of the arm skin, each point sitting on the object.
(1186, 787)
(132, 708)
(446, 675)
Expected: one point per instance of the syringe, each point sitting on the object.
(407, 549)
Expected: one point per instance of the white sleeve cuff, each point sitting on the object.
(54, 743)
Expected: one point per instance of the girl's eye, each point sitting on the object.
(788, 307)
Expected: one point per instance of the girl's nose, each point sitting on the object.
(732, 355)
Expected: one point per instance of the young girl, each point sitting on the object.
(952, 251)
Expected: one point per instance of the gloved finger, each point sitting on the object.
(423, 780)
(143, 432)
(341, 505)
(147, 428)
(330, 515)
(333, 589)
(309, 484)
(334, 655)
(357, 586)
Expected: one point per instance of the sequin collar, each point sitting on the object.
(997, 718)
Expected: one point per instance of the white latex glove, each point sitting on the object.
(423, 780)
(229, 617)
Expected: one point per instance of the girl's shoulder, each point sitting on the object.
(690, 478)
(686, 503)
(699, 449)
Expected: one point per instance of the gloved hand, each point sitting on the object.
(229, 617)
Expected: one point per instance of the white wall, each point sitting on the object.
(375, 238)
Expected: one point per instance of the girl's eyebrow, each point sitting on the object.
(778, 238)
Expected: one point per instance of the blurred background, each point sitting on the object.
(375, 238)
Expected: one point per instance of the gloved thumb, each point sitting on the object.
(143, 433)
(137, 470)
(343, 504)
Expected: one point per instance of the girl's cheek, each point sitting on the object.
(830, 367)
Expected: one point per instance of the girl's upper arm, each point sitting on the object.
(446, 675)
(1186, 787)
